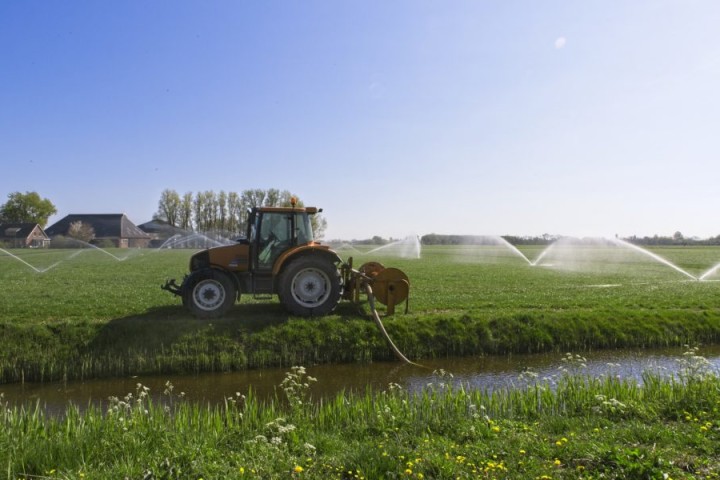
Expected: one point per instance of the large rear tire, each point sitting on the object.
(209, 293)
(310, 286)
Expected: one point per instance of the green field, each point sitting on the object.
(91, 314)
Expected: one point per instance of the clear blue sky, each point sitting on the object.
(402, 117)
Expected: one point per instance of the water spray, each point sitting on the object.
(710, 272)
(652, 255)
(409, 247)
(513, 249)
(542, 254)
(37, 270)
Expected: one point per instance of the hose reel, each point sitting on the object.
(389, 285)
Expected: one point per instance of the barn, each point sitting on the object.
(109, 228)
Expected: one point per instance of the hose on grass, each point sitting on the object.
(378, 321)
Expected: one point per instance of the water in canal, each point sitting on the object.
(484, 372)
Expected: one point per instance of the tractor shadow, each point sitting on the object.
(162, 327)
(165, 326)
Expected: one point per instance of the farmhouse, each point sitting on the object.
(109, 228)
(160, 232)
(21, 235)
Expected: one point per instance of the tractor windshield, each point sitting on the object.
(279, 231)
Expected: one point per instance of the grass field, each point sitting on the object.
(86, 313)
(92, 314)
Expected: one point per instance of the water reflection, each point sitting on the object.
(485, 373)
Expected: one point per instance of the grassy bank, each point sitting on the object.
(93, 315)
(572, 427)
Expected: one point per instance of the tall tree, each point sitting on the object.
(81, 231)
(226, 211)
(169, 207)
(236, 215)
(186, 211)
(27, 207)
(205, 206)
(253, 198)
(272, 197)
(222, 211)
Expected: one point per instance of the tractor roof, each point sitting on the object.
(310, 210)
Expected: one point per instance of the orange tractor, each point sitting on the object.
(280, 257)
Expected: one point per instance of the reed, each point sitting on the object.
(570, 426)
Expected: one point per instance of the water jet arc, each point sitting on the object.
(710, 272)
(542, 254)
(37, 270)
(513, 249)
(654, 256)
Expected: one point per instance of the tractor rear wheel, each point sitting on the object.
(209, 293)
(310, 286)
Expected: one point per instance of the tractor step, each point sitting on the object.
(262, 287)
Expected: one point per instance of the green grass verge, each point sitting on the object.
(577, 427)
(91, 315)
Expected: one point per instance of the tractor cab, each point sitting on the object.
(274, 230)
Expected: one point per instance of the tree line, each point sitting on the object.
(676, 239)
(656, 240)
(210, 211)
(227, 212)
(439, 239)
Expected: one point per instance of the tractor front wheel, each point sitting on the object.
(310, 286)
(209, 293)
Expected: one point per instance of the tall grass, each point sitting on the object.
(572, 426)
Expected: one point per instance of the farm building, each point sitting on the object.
(108, 228)
(161, 232)
(21, 235)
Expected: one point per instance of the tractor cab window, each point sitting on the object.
(303, 229)
(275, 236)
(252, 230)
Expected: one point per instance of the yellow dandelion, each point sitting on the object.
(557, 462)
(408, 472)
(297, 469)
